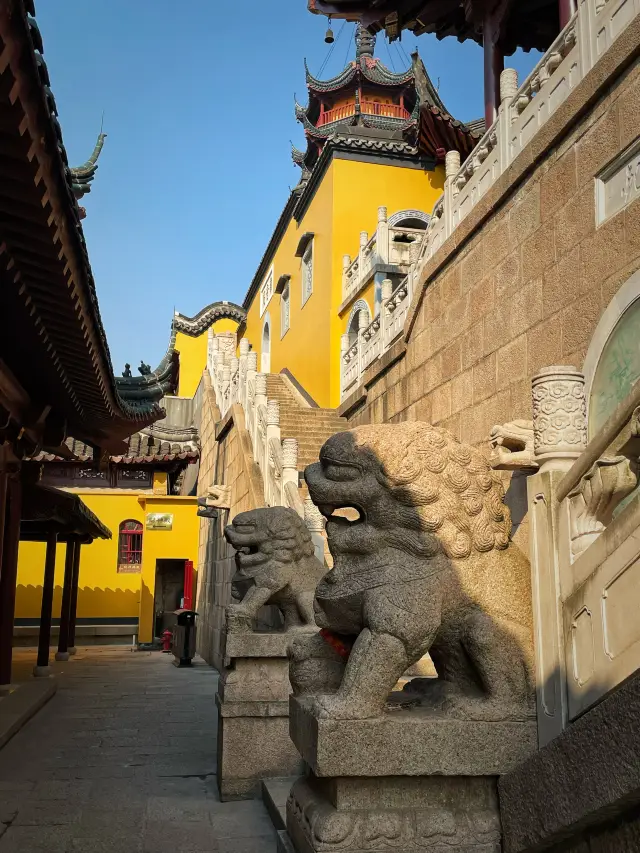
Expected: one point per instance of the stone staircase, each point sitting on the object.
(311, 427)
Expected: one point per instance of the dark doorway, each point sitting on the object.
(169, 592)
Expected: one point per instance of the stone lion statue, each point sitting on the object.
(275, 554)
(427, 566)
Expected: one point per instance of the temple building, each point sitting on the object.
(319, 280)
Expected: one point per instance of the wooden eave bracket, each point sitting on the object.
(304, 241)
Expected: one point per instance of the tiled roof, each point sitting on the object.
(142, 448)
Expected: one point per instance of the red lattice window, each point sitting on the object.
(130, 546)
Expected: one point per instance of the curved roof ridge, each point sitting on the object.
(207, 316)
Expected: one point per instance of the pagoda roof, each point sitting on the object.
(364, 67)
(526, 23)
(53, 347)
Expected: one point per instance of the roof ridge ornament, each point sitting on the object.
(365, 42)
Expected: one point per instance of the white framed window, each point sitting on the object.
(285, 312)
(307, 272)
(266, 291)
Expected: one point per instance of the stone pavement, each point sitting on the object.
(122, 760)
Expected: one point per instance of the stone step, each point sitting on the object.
(274, 796)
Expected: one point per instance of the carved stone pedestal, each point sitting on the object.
(253, 715)
(407, 780)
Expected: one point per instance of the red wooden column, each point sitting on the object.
(42, 667)
(65, 610)
(566, 9)
(73, 606)
(9, 572)
(188, 585)
(493, 67)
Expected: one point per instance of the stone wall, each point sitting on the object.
(524, 279)
(226, 459)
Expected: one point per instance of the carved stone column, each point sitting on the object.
(382, 236)
(559, 417)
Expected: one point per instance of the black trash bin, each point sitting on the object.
(184, 637)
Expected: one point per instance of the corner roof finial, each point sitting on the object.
(365, 42)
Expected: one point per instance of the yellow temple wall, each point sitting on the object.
(345, 202)
(103, 592)
(304, 348)
(360, 188)
(193, 356)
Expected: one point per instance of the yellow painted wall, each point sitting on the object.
(103, 592)
(180, 543)
(193, 356)
(345, 203)
(360, 188)
(302, 348)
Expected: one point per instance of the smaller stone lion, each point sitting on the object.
(275, 551)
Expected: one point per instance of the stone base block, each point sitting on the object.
(62, 656)
(253, 743)
(411, 742)
(253, 644)
(42, 671)
(457, 814)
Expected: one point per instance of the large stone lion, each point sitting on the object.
(427, 566)
(275, 552)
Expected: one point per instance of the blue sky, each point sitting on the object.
(198, 108)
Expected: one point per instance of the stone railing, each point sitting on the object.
(524, 110)
(237, 381)
(584, 516)
(376, 338)
(388, 246)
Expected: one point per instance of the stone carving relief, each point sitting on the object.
(275, 554)
(593, 501)
(512, 446)
(218, 497)
(426, 566)
(559, 415)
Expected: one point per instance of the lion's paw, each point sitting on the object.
(238, 619)
(336, 707)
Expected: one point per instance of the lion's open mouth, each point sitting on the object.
(345, 514)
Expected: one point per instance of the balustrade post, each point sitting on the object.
(382, 236)
(289, 466)
(234, 364)
(226, 388)
(259, 399)
(387, 290)
(242, 373)
(363, 322)
(273, 432)
(250, 383)
(364, 239)
(559, 417)
(414, 253)
(314, 520)
(585, 26)
(346, 263)
(452, 167)
(508, 90)
(344, 346)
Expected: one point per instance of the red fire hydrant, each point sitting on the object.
(167, 640)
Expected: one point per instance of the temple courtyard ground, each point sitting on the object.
(122, 760)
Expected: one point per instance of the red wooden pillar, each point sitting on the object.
(42, 667)
(566, 9)
(73, 606)
(9, 572)
(65, 610)
(493, 68)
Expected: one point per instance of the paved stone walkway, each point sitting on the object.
(122, 760)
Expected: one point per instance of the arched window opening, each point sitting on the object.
(359, 319)
(129, 545)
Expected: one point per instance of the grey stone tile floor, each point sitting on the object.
(122, 760)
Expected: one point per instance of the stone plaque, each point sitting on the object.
(619, 184)
(159, 521)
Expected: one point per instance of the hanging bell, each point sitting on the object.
(329, 39)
